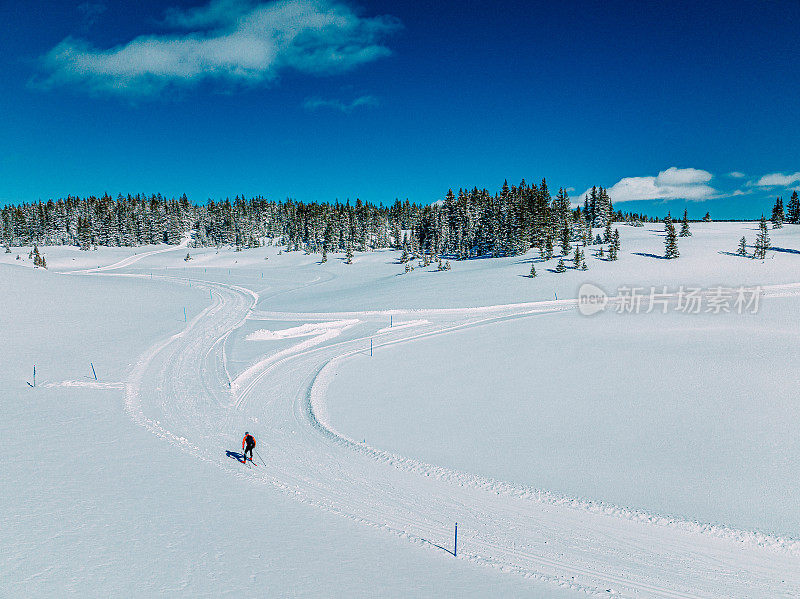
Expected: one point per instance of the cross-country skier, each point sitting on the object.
(248, 444)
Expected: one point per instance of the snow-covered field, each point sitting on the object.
(644, 455)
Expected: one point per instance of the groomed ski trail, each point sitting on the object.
(181, 390)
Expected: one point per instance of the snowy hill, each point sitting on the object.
(645, 451)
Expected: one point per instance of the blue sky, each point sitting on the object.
(670, 105)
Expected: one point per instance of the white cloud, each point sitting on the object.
(737, 175)
(681, 176)
(671, 184)
(231, 40)
(346, 107)
(778, 179)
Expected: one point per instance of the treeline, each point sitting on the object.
(465, 224)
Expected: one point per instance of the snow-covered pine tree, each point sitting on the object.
(615, 241)
(777, 214)
(600, 254)
(685, 232)
(324, 254)
(564, 240)
(793, 209)
(762, 240)
(577, 259)
(560, 267)
(670, 240)
(349, 253)
(742, 251)
(532, 274)
(607, 232)
(707, 217)
(548, 247)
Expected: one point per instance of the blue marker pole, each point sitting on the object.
(93, 372)
(391, 323)
(370, 348)
(455, 543)
(34, 375)
(184, 315)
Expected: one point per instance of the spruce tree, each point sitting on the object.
(532, 274)
(349, 253)
(762, 240)
(560, 266)
(616, 242)
(685, 232)
(707, 217)
(548, 247)
(324, 255)
(742, 251)
(577, 259)
(777, 214)
(671, 240)
(565, 245)
(793, 209)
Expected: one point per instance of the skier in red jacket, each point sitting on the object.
(248, 444)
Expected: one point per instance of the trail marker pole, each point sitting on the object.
(391, 323)
(184, 314)
(370, 348)
(455, 543)
(34, 375)
(93, 372)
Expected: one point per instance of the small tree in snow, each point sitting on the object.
(685, 232)
(565, 245)
(560, 266)
(742, 251)
(762, 240)
(671, 239)
(532, 274)
(777, 214)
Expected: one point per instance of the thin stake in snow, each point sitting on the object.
(370, 348)
(34, 377)
(93, 372)
(184, 314)
(455, 543)
(390, 321)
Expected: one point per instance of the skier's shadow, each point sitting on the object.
(235, 455)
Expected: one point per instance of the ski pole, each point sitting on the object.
(260, 458)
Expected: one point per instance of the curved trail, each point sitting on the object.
(181, 390)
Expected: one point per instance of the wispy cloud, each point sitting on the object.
(737, 175)
(91, 12)
(335, 104)
(778, 179)
(670, 184)
(227, 40)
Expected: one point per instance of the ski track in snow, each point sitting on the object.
(181, 390)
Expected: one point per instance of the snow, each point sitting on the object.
(644, 455)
